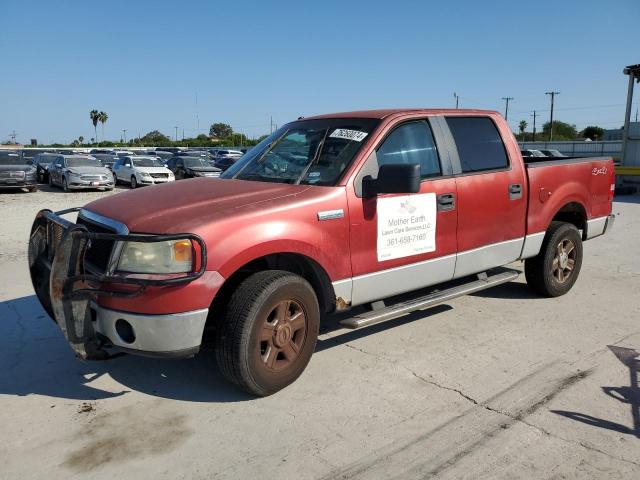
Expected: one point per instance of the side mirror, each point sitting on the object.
(393, 178)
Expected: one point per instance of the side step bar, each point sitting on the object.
(393, 311)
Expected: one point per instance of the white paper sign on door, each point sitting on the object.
(406, 225)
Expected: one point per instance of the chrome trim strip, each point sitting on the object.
(486, 257)
(405, 278)
(331, 214)
(596, 226)
(343, 289)
(532, 245)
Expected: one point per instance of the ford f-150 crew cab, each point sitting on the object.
(325, 214)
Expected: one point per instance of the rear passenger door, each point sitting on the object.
(491, 195)
(402, 242)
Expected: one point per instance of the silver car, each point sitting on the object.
(74, 172)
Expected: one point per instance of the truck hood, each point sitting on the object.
(186, 205)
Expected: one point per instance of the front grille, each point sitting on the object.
(93, 177)
(159, 175)
(18, 174)
(99, 251)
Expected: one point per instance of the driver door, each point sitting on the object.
(403, 242)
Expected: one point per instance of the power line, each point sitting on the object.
(553, 96)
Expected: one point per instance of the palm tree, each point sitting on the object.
(102, 118)
(522, 126)
(94, 115)
(81, 139)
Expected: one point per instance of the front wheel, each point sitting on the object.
(556, 268)
(134, 182)
(269, 332)
(65, 185)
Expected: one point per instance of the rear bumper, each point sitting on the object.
(172, 335)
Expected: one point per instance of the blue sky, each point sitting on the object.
(144, 61)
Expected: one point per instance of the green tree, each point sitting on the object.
(102, 118)
(561, 130)
(220, 130)
(522, 126)
(81, 139)
(94, 115)
(155, 138)
(593, 132)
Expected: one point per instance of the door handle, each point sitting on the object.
(515, 191)
(446, 202)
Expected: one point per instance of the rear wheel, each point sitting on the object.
(556, 268)
(268, 332)
(134, 182)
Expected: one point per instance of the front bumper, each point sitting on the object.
(15, 183)
(172, 335)
(57, 249)
(79, 184)
(154, 181)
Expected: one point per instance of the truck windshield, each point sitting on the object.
(310, 152)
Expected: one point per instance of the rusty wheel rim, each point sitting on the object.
(564, 261)
(282, 335)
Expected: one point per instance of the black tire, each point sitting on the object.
(65, 185)
(134, 182)
(32, 189)
(115, 179)
(50, 181)
(260, 365)
(550, 273)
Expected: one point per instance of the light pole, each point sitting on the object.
(124, 134)
(553, 96)
(176, 133)
(457, 97)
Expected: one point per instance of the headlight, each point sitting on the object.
(173, 256)
(145, 175)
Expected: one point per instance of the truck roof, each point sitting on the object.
(380, 114)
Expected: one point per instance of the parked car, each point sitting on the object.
(532, 153)
(124, 153)
(164, 156)
(190, 167)
(168, 149)
(75, 172)
(16, 171)
(327, 213)
(138, 170)
(553, 153)
(223, 159)
(42, 162)
(107, 159)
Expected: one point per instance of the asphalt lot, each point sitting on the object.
(501, 384)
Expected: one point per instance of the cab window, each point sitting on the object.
(411, 143)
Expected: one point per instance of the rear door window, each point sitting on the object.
(479, 144)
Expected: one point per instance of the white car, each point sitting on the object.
(139, 170)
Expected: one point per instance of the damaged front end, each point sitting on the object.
(66, 285)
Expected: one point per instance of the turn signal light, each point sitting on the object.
(182, 251)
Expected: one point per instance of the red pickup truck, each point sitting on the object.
(327, 213)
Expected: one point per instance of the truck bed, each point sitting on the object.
(555, 182)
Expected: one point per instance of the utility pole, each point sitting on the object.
(124, 134)
(506, 108)
(270, 125)
(534, 125)
(457, 97)
(553, 96)
(176, 133)
(13, 136)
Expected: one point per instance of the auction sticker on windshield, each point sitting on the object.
(347, 134)
(406, 226)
